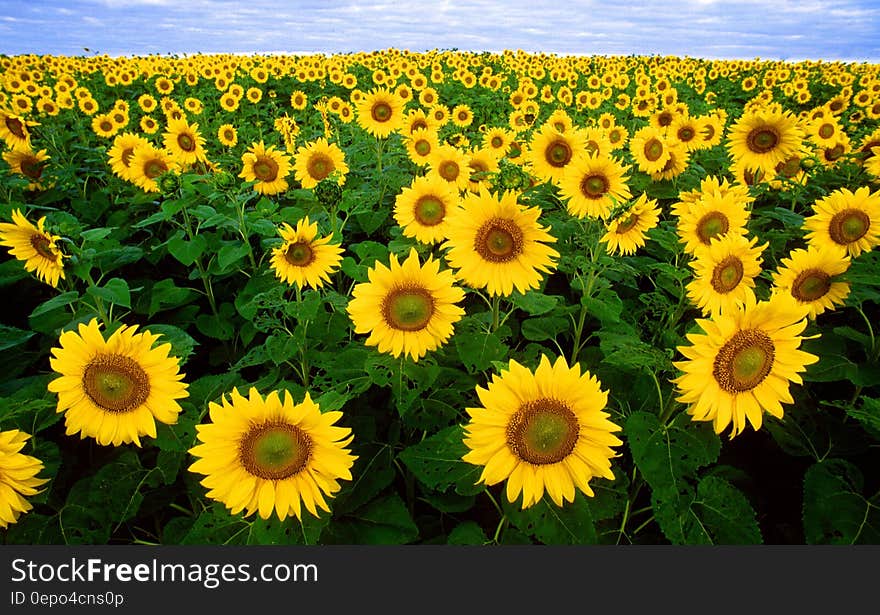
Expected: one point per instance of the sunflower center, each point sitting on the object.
(558, 153)
(320, 166)
(299, 254)
(186, 142)
(106, 125)
(499, 240)
(154, 168)
(116, 383)
(810, 285)
(626, 224)
(789, 168)
(449, 170)
(381, 112)
(265, 169)
(41, 245)
(712, 225)
(126, 155)
(727, 274)
(833, 153)
(275, 451)
(686, 133)
(422, 147)
(848, 226)
(762, 140)
(664, 119)
(31, 168)
(496, 142)
(543, 431)
(429, 210)
(826, 131)
(708, 132)
(408, 309)
(744, 361)
(653, 150)
(594, 186)
(15, 127)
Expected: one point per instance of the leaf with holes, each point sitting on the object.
(436, 461)
(570, 524)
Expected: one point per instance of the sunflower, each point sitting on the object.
(540, 431)
(264, 454)
(33, 245)
(227, 135)
(497, 244)
(317, 161)
(148, 124)
(115, 390)
(451, 165)
(380, 112)
(417, 119)
(184, 143)
(592, 184)
(104, 126)
(846, 220)
(686, 130)
(147, 164)
(551, 151)
(18, 477)
(628, 232)
(462, 116)
(267, 167)
(120, 155)
(724, 273)
(714, 214)
(304, 258)
(649, 150)
(482, 164)
(408, 309)
(229, 101)
(809, 277)
(761, 139)
(15, 130)
(752, 353)
(422, 208)
(29, 164)
(676, 164)
(497, 140)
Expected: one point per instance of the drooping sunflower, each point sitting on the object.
(316, 161)
(846, 220)
(542, 431)
(421, 208)
(763, 138)
(266, 455)
(724, 273)
(29, 164)
(18, 477)
(482, 163)
(752, 353)
(33, 245)
(592, 184)
(120, 155)
(497, 244)
(115, 390)
(551, 151)
(713, 214)
(408, 308)
(380, 112)
(15, 130)
(649, 149)
(305, 258)
(266, 166)
(808, 275)
(629, 231)
(184, 143)
(147, 164)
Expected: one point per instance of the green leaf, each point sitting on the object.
(467, 533)
(667, 455)
(10, 337)
(835, 510)
(215, 526)
(436, 460)
(229, 255)
(115, 291)
(534, 303)
(292, 531)
(386, 521)
(476, 348)
(570, 524)
(187, 251)
(543, 328)
(165, 294)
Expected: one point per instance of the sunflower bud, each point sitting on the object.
(169, 183)
(224, 180)
(328, 192)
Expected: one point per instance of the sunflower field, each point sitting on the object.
(439, 297)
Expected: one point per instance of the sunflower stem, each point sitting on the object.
(496, 311)
(242, 230)
(500, 529)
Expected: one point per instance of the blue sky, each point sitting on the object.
(846, 30)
